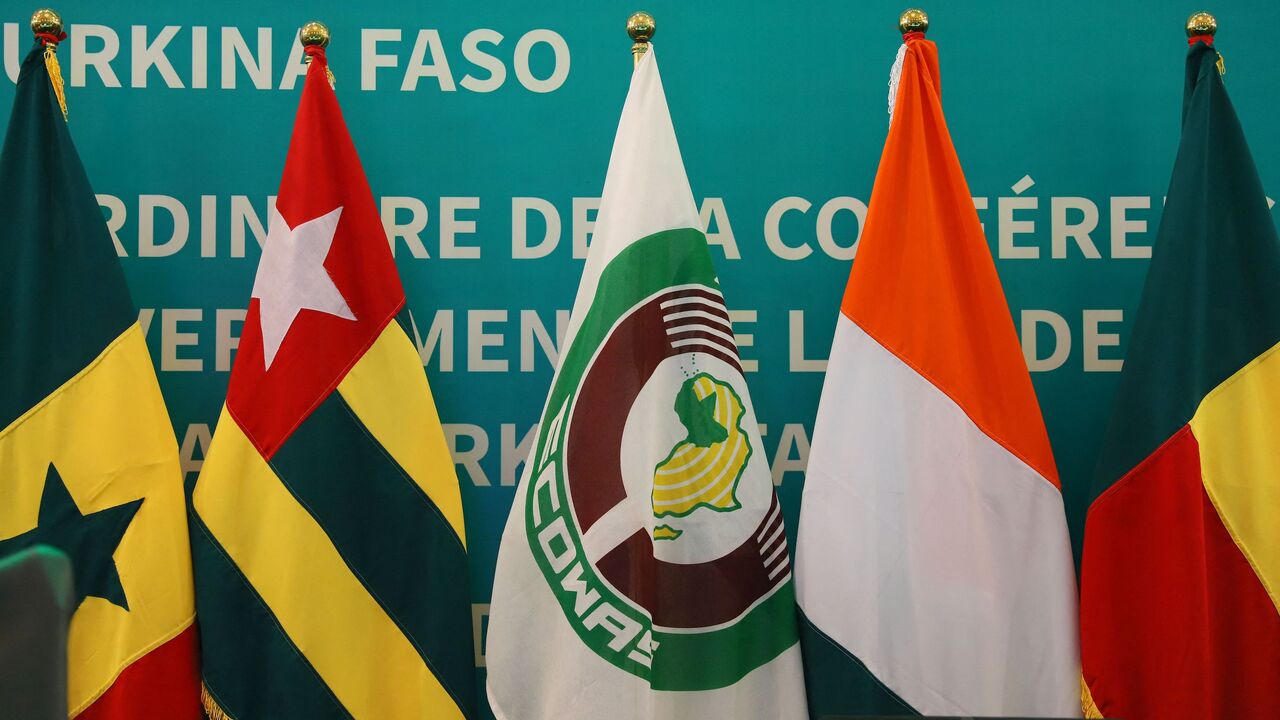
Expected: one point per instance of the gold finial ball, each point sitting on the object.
(314, 33)
(641, 27)
(913, 20)
(46, 21)
(1201, 23)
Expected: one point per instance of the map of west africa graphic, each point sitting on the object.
(703, 469)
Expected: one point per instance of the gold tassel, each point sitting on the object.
(211, 709)
(55, 76)
(1222, 66)
(1086, 701)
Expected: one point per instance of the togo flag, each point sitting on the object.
(1180, 577)
(331, 574)
(88, 461)
(933, 563)
(643, 572)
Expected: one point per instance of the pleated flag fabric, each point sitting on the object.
(934, 571)
(1180, 578)
(88, 459)
(643, 573)
(331, 569)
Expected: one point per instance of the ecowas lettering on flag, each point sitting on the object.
(644, 570)
(933, 563)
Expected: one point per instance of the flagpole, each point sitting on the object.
(47, 26)
(1201, 24)
(1201, 27)
(640, 26)
(315, 34)
(913, 20)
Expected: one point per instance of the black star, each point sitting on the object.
(89, 540)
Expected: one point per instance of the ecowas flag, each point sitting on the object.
(88, 461)
(643, 572)
(331, 572)
(1180, 577)
(933, 564)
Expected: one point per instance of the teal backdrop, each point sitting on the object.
(1065, 116)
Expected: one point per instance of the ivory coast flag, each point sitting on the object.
(331, 572)
(88, 461)
(1180, 577)
(643, 573)
(933, 565)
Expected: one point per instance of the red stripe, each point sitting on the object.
(1174, 622)
(161, 685)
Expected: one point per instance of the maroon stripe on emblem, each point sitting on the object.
(707, 295)
(711, 318)
(709, 344)
(686, 596)
(707, 302)
(772, 544)
(771, 522)
(624, 363)
(676, 595)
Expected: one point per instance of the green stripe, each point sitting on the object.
(390, 534)
(1212, 298)
(720, 658)
(63, 297)
(838, 683)
(248, 662)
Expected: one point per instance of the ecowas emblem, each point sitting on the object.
(651, 511)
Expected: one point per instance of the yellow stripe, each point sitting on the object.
(1238, 429)
(356, 649)
(1087, 704)
(706, 490)
(720, 465)
(108, 433)
(387, 389)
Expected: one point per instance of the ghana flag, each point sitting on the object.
(1181, 568)
(88, 461)
(331, 571)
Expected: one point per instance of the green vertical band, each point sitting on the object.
(63, 297)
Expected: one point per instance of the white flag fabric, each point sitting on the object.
(643, 572)
(933, 563)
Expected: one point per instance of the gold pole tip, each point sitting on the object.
(46, 21)
(1201, 23)
(640, 26)
(913, 20)
(314, 33)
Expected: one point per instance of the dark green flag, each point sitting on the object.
(62, 294)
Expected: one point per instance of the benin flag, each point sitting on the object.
(331, 572)
(88, 461)
(1180, 582)
(933, 567)
(643, 573)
